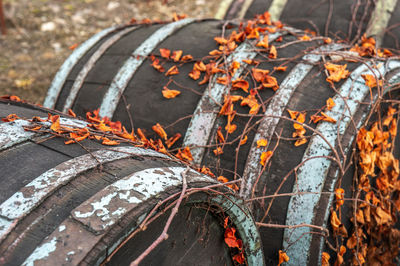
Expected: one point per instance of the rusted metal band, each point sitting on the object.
(31, 195)
(312, 174)
(65, 69)
(380, 19)
(277, 107)
(103, 210)
(276, 8)
(90, 64)
(202, 122)
(132, 64)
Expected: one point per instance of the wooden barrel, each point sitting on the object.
(60, 205)
(347, 20)
(127, 88)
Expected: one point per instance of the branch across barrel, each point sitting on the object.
(74, 204)
(126, 87)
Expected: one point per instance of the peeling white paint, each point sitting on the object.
(23, 201)
(41, 252)
(13, 133)
(98, 207)
(89, 65)
(61, 228)
(114, 201)
(63, 72)
(312, 174)
(277, 107)
(5, 226)
(126, 72)
(202, 122)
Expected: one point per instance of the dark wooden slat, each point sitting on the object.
(196, 245)
(23, 163)
(144, 90)
(45, 219)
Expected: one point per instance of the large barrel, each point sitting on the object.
(347, 20)
(61, 205)
(127, 88)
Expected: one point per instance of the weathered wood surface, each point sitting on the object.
(58, 207)
(302, 87)
(347, 20)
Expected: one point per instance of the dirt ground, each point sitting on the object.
(40, 33)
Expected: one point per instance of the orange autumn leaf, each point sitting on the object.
(265, 156)
(370, 80)
(335, 222)
(330, 104)
(339, 194)
(230, 238)
(165, 53)
(325, 259)
(195, 74)
(272, 52)
(336, 72)
(305, 38)
(71, 113)
(109, 142)
(222, 179)
(55, 126)
(10, 118)
(156, 65)
(230, 128)
(262, 143)
(243, 141)
(176, 55)
(340, 260)
(280, 68)
(200, 66)
(160, 131)
(300, 142)
(301, 118)
(76, 137)
(223, 80)
(293, 114)
(187, 57)
(169, 142)
(220, 136)
(327, 40)
(239, 258)
(251, 62)
(184, 154)
(221, 40)
(382, 216)
(270, 82)
(73, 46)
(254, 109)
(283, 257)
(170, 94)
(172, 71)
(218, 151)
(259, 74)
(263, 42)
(240, 84)
(102, 127)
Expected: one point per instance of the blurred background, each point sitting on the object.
(41, 34)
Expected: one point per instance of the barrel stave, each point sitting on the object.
(144, 89)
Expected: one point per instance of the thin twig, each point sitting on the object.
(164, 234)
